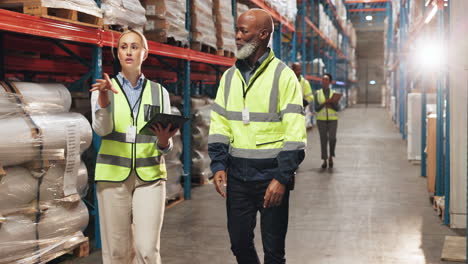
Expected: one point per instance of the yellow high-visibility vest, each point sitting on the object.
(117, 158)
(326, 114)
(306, 90)
(272, 105)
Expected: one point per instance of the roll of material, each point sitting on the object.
(18, 188)
(37, 98)
(58, 222)
(17, 238)
(62, 220)
(17, 144)
(53, 181)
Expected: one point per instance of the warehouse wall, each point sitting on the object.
(458, 74)
(370, 56)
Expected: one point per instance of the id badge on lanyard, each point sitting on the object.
(130, 136)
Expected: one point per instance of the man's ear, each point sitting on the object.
(264, 34)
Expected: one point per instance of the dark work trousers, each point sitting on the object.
(327, 131)
(244, 200)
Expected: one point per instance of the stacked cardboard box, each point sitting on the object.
(165, 19)
(202, 26)
(124, 13)
(224, 21)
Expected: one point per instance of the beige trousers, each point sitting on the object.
(122, 204)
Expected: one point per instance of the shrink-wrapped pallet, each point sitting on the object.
(165, 19)
(40, 209)
(85, 6)
(124, 13)
(224, 21)
(202, 26)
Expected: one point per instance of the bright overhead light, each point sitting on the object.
(372, 82)
(369, 18)
(429, 54)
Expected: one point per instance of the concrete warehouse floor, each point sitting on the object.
(373, 208)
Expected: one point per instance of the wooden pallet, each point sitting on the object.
(439, 205)
(174, 202)
(454, 249)
(77, 245)
(199, 46)
(35, 8)
(225, 53)
(115, 28)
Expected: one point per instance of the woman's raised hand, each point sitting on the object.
(103, 85)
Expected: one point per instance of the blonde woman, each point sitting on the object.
(130, 169)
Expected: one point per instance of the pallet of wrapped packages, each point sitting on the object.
(121, 14)
(41, 213)
(225, 34)
(202, 26)
(165, 21)
(241, 8)
(81, 12)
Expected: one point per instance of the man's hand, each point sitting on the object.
(220, 182)
(274, 194)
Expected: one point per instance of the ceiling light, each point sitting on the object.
(369, 18)
(372, 82)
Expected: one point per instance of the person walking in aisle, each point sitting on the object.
(307, 96)
(130, 169)
(256, 141)
(327, 119)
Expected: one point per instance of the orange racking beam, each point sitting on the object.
(368, 10)
(366, 1)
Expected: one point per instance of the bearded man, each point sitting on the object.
(257, 141)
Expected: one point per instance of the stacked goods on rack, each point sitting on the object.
(174, 166)
(201, 108)
(202, 26)
(225, 35)
(414, 122)
(73, 11)
(286, 8)
(416, 14)
(41, 175)
(241, 8)
(120, 14)
(395, 13)
(165, 20)
(327, 26)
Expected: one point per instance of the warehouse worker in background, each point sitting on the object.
(256, 141)
(327, 119)
(130, 169)
(307, 95)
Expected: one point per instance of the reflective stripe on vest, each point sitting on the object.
(116, 157)
(326, 114)
(264, 115)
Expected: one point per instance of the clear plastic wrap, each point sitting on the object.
(35, 98)
(126, 13)
(26, 237)
(60, 133)
(174, 165)
(201, 108)
(41, 213)
(241, 8)
(202, 26)
(165, 19)
(85, 6)
(224, 21)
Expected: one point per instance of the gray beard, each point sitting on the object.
(247, 50)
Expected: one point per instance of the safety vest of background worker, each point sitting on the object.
(117, 157)
(259, 120)
(326, 113)
(306, 90)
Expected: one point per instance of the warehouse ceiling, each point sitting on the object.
(367, 15)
